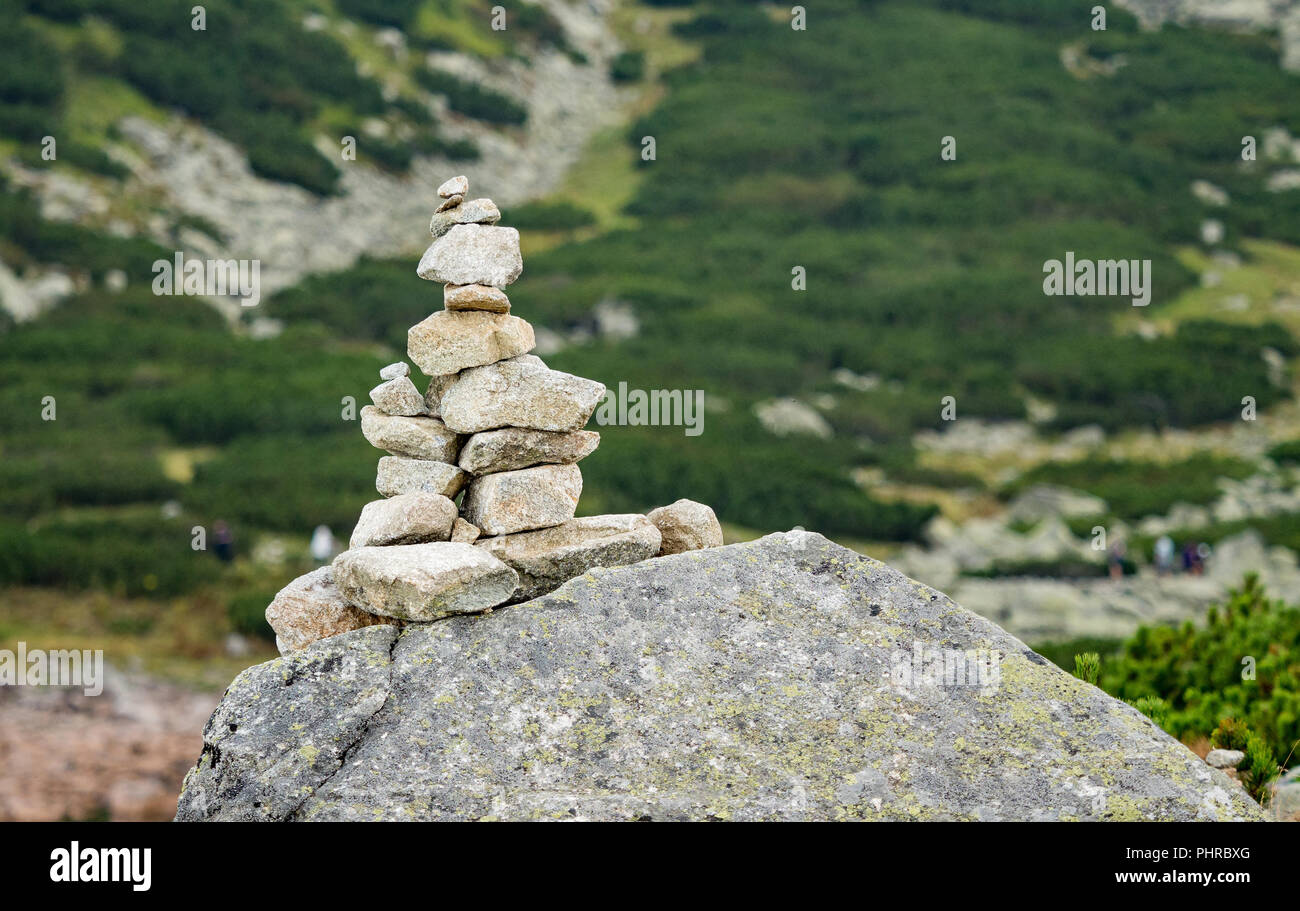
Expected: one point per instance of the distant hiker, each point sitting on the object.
(223, 541)
(1164, 555)
(1117, 551)
(1189, 557)
(1202, 554)
(322, 544)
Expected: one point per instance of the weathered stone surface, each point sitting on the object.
(521, 500)
(311, 607)
(408, 518)
(474, 212)
(398, 475)
(475, 297)
(511, 448)
(1225, 759)
(263, 754)
(547, 558)
(473, 255)
(464, 532)
(450, 202)
(398, 396)
(451, 340)
(433, 395)
(423, 581)
(393, 371)
(686, 525)
(520, 392)
(756, 681)
(415, 437)
(456, 186)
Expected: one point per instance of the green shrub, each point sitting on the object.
(1062, 568)
(550, 216)
(1231, 734)
(1153, 707)
(128, 556)
(1259, 769)
(1087, 667)
(247, 614)
(1201, 673)
(1286, 453)
(1136, 489)
(472, 99)
(629, 66)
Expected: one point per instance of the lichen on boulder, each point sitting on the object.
(785, 678)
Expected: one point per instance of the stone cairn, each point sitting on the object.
(496, 428)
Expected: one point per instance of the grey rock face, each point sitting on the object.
(408, 518)
(311, 607)
(520, 392)
(757, 681)
(473, 255)
(263, 757)
(511, 448)
(398, 475)
(521, 500)
(415, 437)
(474, 212)
(686, 525)
(393, 371)
(475, 297)
(398, 396)
(548, 558)
(450, 203)
(423, 581)
(451, 340)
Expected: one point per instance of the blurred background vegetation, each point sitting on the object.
(774, 150)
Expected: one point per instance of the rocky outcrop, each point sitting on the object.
(785, 678)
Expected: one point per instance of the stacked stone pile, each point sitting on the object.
(481, 481)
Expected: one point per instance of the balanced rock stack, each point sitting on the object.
(496, 431)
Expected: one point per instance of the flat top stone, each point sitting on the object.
(473, 254)
(511, 501)
(407, 518)
(457, 186)
(510, 448)
(399, 474)
(311, 607)
(519, 392)
(423, 582)
(471, 212)
(416, 437)
(765, 680)
(450, 341)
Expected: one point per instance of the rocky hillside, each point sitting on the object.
(512, 108)
(786, 678)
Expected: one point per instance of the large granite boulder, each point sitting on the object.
(785, 678)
